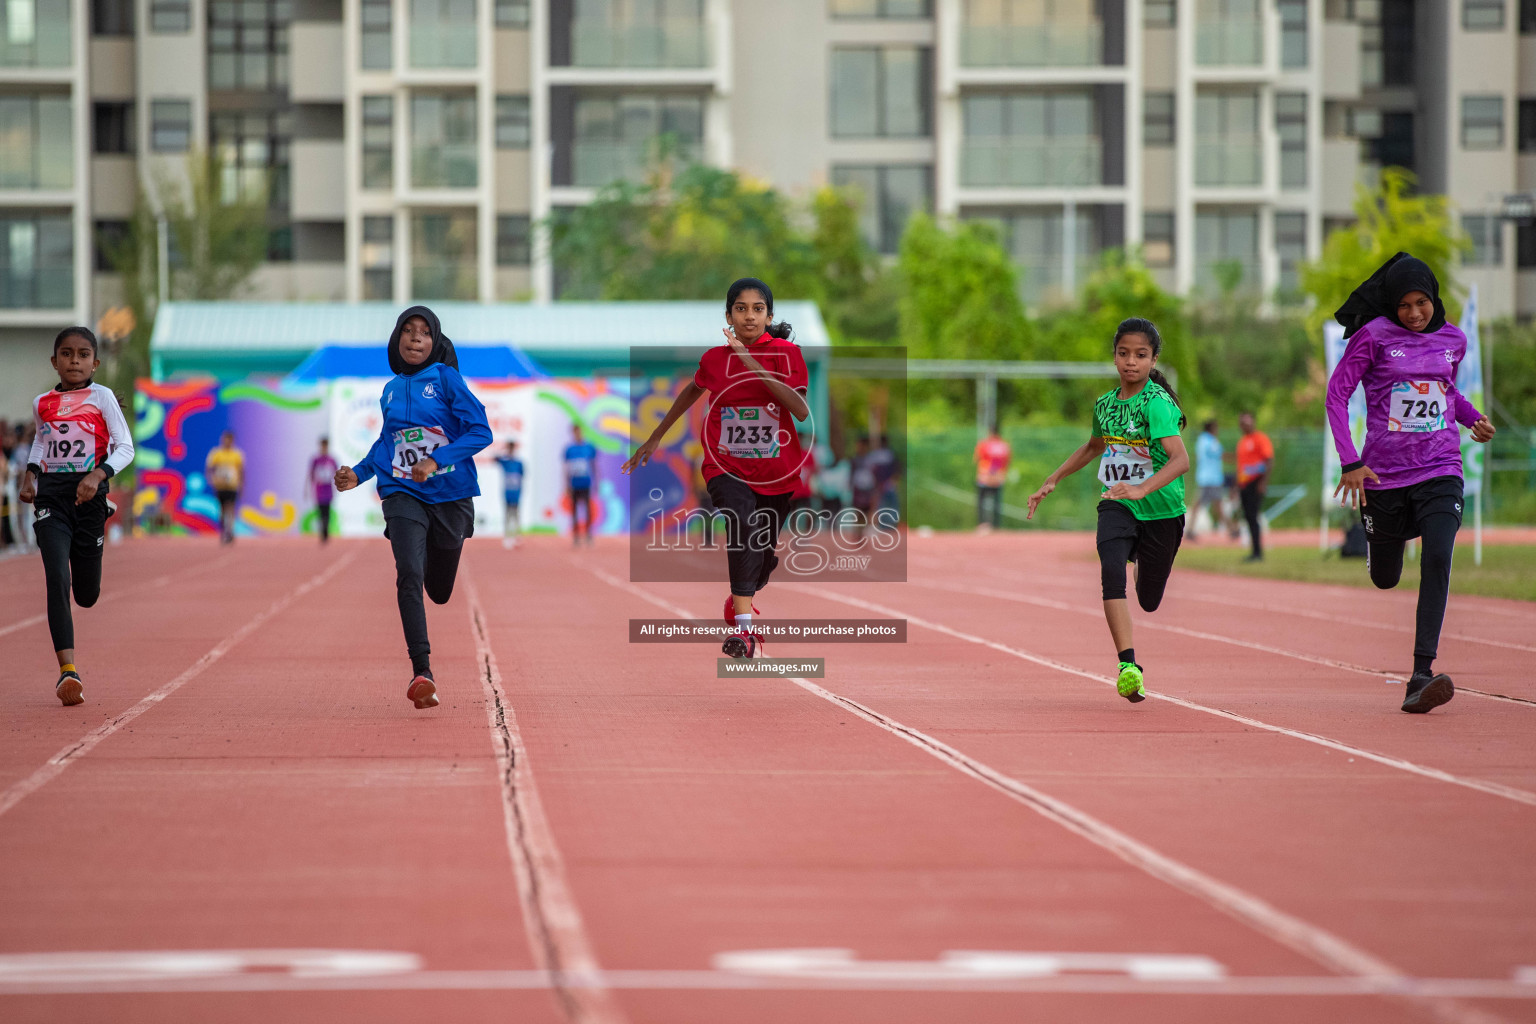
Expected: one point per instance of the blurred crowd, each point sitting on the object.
(15, 523)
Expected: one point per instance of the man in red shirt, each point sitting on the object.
(992, 457)
(1255, 456)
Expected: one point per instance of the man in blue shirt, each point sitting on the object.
(579, 460)
(512, 491)
(1210, 478)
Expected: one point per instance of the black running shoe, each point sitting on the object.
(1427, 692)
(741, 644)
(70, 689)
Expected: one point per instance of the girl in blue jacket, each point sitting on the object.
(424, 459)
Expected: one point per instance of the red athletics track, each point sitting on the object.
(588, 830)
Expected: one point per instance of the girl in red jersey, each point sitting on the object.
(756, 381)
(82, 442)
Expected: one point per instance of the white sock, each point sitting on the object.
(744, 621)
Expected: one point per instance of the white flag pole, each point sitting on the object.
(1477, 528)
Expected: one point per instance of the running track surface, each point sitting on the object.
(247, 821)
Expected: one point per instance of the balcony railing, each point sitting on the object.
(1042, 278)
(600, 163)
(444, 279)
(1032, 46)
(443, 44)
(34, 34)
(1233, 161)
(1034, 162)
(665, 43)
(37, 288)
(446, 165)
(36, 150)
(1231, 42)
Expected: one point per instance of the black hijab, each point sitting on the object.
(1381, 293)
(442, 348)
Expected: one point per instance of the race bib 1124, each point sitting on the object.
(1418, 406)
(1125, 462)
(414, 444)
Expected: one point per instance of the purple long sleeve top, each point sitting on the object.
(1412, 405)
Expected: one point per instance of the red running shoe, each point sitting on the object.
(422, 692)
(742, 644)
(730, 610)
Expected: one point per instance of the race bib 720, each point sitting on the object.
(1418, 406)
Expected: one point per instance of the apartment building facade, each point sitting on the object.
(410, 148)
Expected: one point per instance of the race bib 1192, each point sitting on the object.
(749, 431)
(69, 446)
(1418, 406)
(1125, 462)
(414, 444)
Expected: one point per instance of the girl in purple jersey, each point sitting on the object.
(1407, 482)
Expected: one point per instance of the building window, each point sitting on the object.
(1482, 122)
(1525, 246)
(1157, 119)
(112, 127)
(248, 44)
(1527, 126)
(1036, 240)
(170, 15)
(443, 151)
(620, 137)
(1482, 15)
(512, 126)
(512, 13)
(35, 34)
(378, 142)
(253, 157)
(1291, 126)
(638, 34)
(36, 149)
(112, 17)
(514, 240)
(1486, 232)
(443, 255)
(1031, 139)
(377, 256)
(881, 8)
(1291, 248)
(1527, 17)
(443, 34)
(888, 197)
(1157, 239)
(111, 236)
(1227, 250)
(1293, 33)
(1229, 33)
(1228, 147)
(377, 17)
(37, 261)
(170, 126)
(881, 91)
(1159, 13)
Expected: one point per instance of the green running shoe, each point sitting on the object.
(1129, 682)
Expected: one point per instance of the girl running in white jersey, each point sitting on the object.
(1141, 464)
(82, 442)
(756, 382)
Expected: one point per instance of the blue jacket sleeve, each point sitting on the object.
(474, 429)
(367, 469)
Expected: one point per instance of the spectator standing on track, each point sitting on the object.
(861, 479)
(993, 455)
(511, 492)
(580, 457)
(424, 459)
(322, 476)
(225, 469)
(1136, 437)
(21, 520)
(1211, 479)
(81, 442)
(834, 488)
(756, 382)
(1255, 458)
(1407, 482)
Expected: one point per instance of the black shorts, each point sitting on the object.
(1150, 543)
(448, 523)
(1398, 513)
(54, 508)
(581, 494)
(227, 499)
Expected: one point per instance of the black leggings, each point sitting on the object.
(70, 538)
(581, 497)
(1151, 544)
(1385, 559)
(1253, 502)
(752, 523)
(427, 540)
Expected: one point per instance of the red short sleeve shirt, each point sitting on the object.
(747, 432)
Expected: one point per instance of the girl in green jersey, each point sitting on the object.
(1141, 460)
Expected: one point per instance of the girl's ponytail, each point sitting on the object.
(780, 330)
(1161, 381)
(1146, 328)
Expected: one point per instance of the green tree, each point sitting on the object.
(1390, 218)
(959, 293)
(218, 237)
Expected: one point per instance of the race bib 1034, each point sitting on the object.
(750, 431)
(1418, 406)
(414, 444)
(1125, 462)
(69, 446)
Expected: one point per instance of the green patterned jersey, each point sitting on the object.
(1133, 430)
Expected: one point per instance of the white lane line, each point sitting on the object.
(1069, 984)
(56, 764)
(1491, 788)
(556, 934)
(1312, 941)
(1143, 623)
(112, 595)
